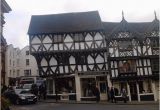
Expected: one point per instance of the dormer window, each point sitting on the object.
(123, 35)
(125, 45)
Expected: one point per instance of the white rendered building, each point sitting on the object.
(19, 63)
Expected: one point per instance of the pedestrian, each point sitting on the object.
(108, 93)
(40, 91)
(34, 89)
(124, 95)
(97, 94)
(112, 93)
(44, 90)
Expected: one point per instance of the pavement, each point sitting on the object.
(102, 102)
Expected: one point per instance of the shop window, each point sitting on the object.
(88, 85)
(141, 88)
(65, 85)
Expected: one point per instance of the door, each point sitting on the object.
(103, 90)
(133, 91)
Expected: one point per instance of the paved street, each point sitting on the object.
(63, 106)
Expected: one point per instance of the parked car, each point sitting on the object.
(27, 86)
(25, 96)
(10, 95)
(20, 96)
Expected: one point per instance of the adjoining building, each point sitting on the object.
(12, 65)
(134, 57)
(77, 51)
(5, 8)
(19, 63)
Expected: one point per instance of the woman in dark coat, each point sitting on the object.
(97, 94)
(112, 93)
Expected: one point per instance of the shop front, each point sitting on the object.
(141, 90)
(78, 87)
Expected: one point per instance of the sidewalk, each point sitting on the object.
(102, 102)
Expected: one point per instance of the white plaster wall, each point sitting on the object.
(53, 61)
(47, 39)
(98, 36)
(32, 62)
(35, 40)
(68, 39)
(99, 59)
(11, 55)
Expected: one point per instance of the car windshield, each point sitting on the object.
(17, 91)
(27, 86)
(24, 92)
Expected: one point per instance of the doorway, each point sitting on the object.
(103, 90)
(133, 91)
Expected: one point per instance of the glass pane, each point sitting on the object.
(102, 87)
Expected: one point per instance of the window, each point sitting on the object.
(27, 52)
(10, 73)
(80, 59)
(27, 61)
(17, 62)
(125, 45)
(155, 64)
(58, 38)
(27, 72)
(123, 35)
(79, 38)
(13, 73)
(63, 59)
(127, 66)
(13, 63)
(155, 43)
(17, 73)
(10, 62)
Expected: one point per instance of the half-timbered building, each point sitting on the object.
(77, 51)
(70, 50)
(134, 57)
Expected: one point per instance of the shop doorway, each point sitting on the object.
(103, 90)
(133, 91)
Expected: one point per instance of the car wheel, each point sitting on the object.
(18, 102)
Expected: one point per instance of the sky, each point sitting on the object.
(17, 21)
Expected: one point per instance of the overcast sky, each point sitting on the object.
(17, 21)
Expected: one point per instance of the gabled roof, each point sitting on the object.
(136, 28)
(65, 23)
(5, 7)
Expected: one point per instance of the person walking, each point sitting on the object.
(108, 93)
(40, 91)
(97, 94)
(124, 95)
(44, 91)
(112, 93)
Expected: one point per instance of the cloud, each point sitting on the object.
(17, 21)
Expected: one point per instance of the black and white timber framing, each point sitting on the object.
(70, 43)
